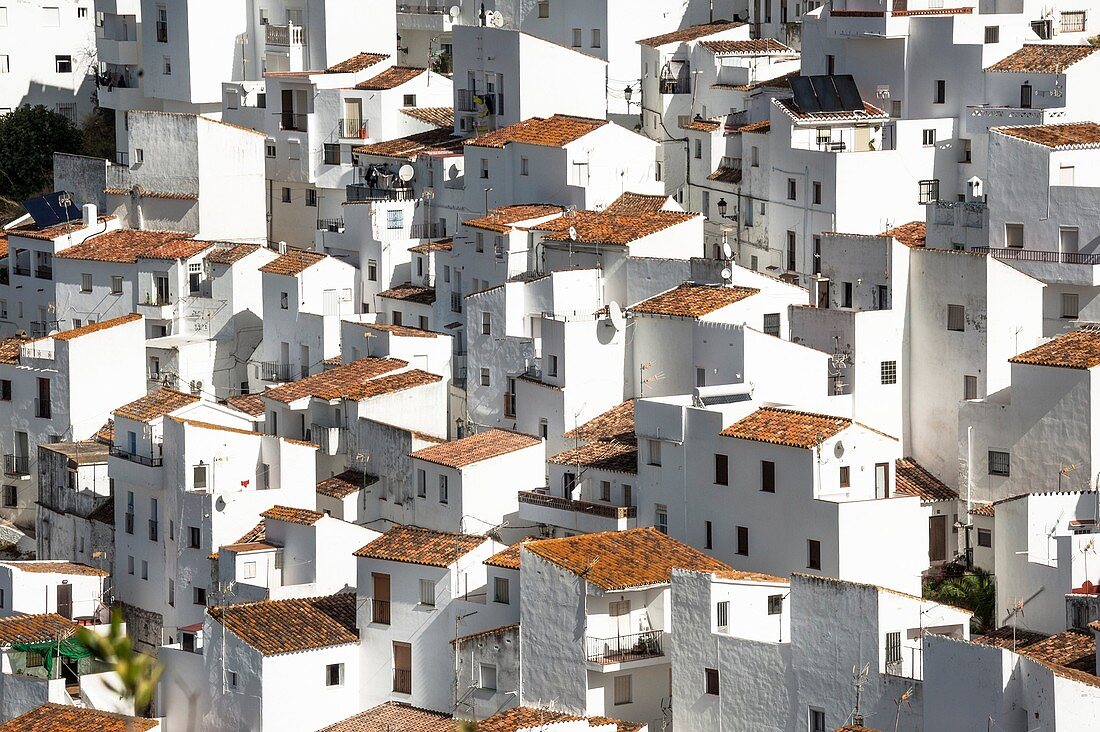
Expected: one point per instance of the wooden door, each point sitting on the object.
(65, 601)
(937, 538)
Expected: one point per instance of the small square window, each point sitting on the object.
(771, 324)
(1071, 307)
(928, 191)
(544, 8)
(711, 681)
(624, 692)
(409, 100)
(999, 463)
(889, 372)
(199, 477)
(199, 595)
(427, 593)
(249, 570)
(488, 676)
(334, 674)
(993, 34)
(116, 285)
(775, 604)
(985, 538)
(928, 137)
(86, 282)
(63, 64)
(956, 318)
(332, 153)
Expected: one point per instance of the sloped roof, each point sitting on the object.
(342, 381)
(787, 427)
(616, 560)
(395, 717)
(691, 33)
(345, 484)
(1078, 349)
(125, 246)
(616, 423)
(502, 218)
(531, 718)
(608, 227)
(274, 627)
(637, 204)
(1068, 135)
(414, 545)
(617, 457)
(358, 62)
(292, 515)
(753, 47)
(911, 234)
(410, 293)
(35, 628)
(58, 567)
(438, 116)
(475, 448)
(506, 559)
(155, 404)
(912, 479)
(294, 262)
(440, 141)
(68, 335)
(1043, 58)
(691, 300)
(391, 78)
(66, 718)
(556, 131)
(250, 404)
(231, 254)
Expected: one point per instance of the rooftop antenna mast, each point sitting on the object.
(859, 678)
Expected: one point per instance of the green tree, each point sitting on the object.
(97, 134)
(29, 136)
(138, 673)
(974, 591)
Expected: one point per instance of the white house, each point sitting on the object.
(71, 590)
(74, 490)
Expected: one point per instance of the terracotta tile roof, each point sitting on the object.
(177, 249)
(985, 509)
(83, 452)
(754, 47)
(345, 484)
(764, 126)
(65, 718)
(690, 34)
(441, 245)
(556, 131)
(868, 112)
(292, 515)
(441, 141)
(1078, 349)
(691, 300)
(911, 234)
(475, 448)
(507, 559)
(391, 78)
(410, 293)
(31, 230)
(616, 423)
(358, 62)
(616, 560)
(250, 404)
(637, 204)
(911, 479)
(438, 116)
(123, 246)
(701, 125)
(61, 567)
(294, 262)
(614, 456)
(726, 175)
(73, 333)
(229, 255)
(503, 218)
(787, 427)
(336, 383)
(3, 245)
(104, 513)
(106, 433)
(414, 545)
(248, 546)
(741, 576)
(1003, 637)
(499, 630)
(256, 535)
(35, 628)
(10, 348)
(528, 718)
(1060, 136)
(402, 331)
(395, 717)
(274, 627)
(1073, 649)
(602, 227)
(155, 404)
(1042, 58)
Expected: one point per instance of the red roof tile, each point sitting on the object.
(231, 254)
(275, 627)
(155, 404)
(911, 234)
(1078, 349)
(250, 404)
(66, 718)
(787, 427)
(617, 457)
(530, 718)
(637, 204)
(395, 717)
(58, 567)
(1043, 58)
(391, 78)
(604, 227)
(124, 246)
(438, 116)
(691, 300)
(410, 293)
(414, 545)
(475, 448)
(1058, 137)
(556, 131)
(345, 484)
(616, 423)
(294, 262)
(342, 381)
(292, 515)
(35, 629)
(358, 62)
(503, 218)
(430, 142)
(73, 333)
(690, 34)
(911, 479)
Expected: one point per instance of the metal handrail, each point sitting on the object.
(402, 680)
(1038, 255)
(147, 460)
(380, 611)
(547, 500)
(622, 648)
(17, 465)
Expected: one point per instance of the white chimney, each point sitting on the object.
(90, 215)
(282, 247)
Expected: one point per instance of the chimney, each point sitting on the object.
(282, 247)
(90, 215)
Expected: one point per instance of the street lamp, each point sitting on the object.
(722, 206)
(628, 92)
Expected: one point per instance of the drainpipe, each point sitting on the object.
(969, 473)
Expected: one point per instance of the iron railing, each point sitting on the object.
(283, 35)
(330, 224)
(17, 465)
(546, 500)
(23, 270)
(424, 7)
(275, 371)
(623, 648)
(403, 680)
(436, 230)
(363, 192)
(294, 121)
(380, 611)
(1037, 255)
(147, 460)
(43, 272)
(353, 129)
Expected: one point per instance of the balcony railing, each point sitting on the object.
(425, 7)
(355, 129)
(436, 230)
(17, 465)
(380, 611)
(467, 100)
(675, 86)
(623, 648)
(363, 192)
(147, 460)
(330, 224)
(22, 270)
(283, 35)
(42, 408)
(43, 272)
(275, 371)
(456, 302)
(546, 500)
(294, 121)
(1036, 255)
(122, 157)
(403, 680)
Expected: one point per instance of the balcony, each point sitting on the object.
(980, 117)
(353, 129)
(275, 371)
(1048, 265)
(468, 100)
(1037, 255)
(146, 460)
(403, 680)
(584, 516)
(675, 86)
(43, 272)
(17, 465)
(436, 230)
(284, 35)
(625, 648)
(363, 192)
(424, 7)
(42, 408)
(334, 225)
(380, 611)
(23, 270)
(293, 121)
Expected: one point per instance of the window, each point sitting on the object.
(792, 189)
(775, 604)
(623, 690)
(985, 538)
(893, 648)
(162, 24)
(1073, 21)
(970, 387)
(845, 476)
(940, 94)
(755, 156)
(395, 219)
(5, 390)
(167, 66)
(293, 150)
(846, 295)
(544, 428)
(1014, 236)
(956, 318)
(889, 372)
(249, 570)
(5, 67)
(372, 270)
(130, 510)
(660, 518)
(443, 489)
(286, 195)
(928, 191)
(723, 614)
(576, 38)
(711, 681)
(231, 679)
(817, 720)
(1070, 305)
(427, 592)
(63, 64)
(408, 100)
(830, 64)
(269, 148)
(792, 251)
(421, 483)
(86, 282)
(486, 323)
(993, 33)
(605, 490)
(144, 569)
(116, 284)
(199, 595)
(708, 535)
(51, 17)
(332, 153)
(743, 540)
(721, 469)
(544, 8)
(771, 324)
(698, 149)
(767, 476)
(523, 166)
(171, 592)
(194, 537)
(817, 192)
(488, 677)
(484, 168)
(654, 451)
(200, 476)
(311, 197)
(596, 39)
(928, 137)
(998, 463)
(813, 554)
(334, 674)
(11, 496)
(501, 590)
(485, 377)
(130, 565)
(552, 365)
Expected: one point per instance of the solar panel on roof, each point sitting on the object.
(826, 93)
(850, 98)
(805, 98)
(52, 209)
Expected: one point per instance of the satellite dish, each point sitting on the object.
(727, 273)
(838, 449)
(495, 19)
(452, 172)
(406, 172)
(616, 314)
(727, 251)
(572, 233)
(454, 12)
